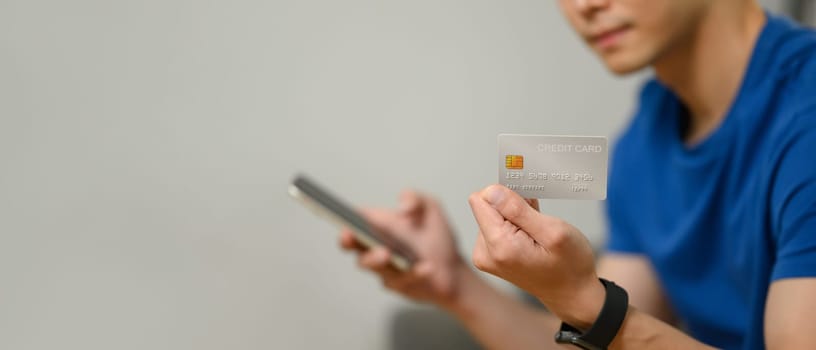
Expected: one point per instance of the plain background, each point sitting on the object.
(146, 146)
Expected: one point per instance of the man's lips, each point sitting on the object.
(608, 38)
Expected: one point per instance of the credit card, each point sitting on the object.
(553, 166)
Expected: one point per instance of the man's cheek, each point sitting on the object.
(574, 19)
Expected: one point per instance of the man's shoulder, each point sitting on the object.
(793, 52)
(786, 41)
(787, 82)
(792, 132)
(795, 79)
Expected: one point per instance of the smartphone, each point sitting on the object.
(333, 209)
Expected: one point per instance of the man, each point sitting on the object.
(712, 198)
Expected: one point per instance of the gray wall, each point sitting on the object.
(145, 149)
(808, 11)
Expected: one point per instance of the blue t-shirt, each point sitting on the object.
(722, 220)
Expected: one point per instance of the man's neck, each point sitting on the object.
(706, 68)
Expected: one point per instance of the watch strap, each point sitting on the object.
(606, 326)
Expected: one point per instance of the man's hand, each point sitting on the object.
(421, 224)
(543, 255)
(441, 277)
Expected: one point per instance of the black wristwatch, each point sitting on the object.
(605, 328)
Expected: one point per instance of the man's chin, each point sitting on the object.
(619, 65)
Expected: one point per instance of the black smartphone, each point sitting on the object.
(330, 207)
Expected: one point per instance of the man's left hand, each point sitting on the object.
(541, 254)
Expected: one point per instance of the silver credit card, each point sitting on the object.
(550, 166)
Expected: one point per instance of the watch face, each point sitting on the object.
(568, 337)
(584, 345)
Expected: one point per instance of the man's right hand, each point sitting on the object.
(441, 277)
(421, 224)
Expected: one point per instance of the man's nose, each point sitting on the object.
(590, 6)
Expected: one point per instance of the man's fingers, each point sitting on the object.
(481, 255)
(489, 219)
(410, 203)
(411, 207)
(387, 222)
(348, 242)
(533, 203)
(421, 209)
(376, 259)
(406, 280)
(379, 218)
(513, 208)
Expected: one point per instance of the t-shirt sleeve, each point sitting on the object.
(793, 201)
(621, 237)
(621, 234)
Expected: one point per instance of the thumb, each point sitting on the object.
(513, 208)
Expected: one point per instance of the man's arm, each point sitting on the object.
(790, 314)
(636, 274)
(441, 277)
(553, 261)
(499, 321)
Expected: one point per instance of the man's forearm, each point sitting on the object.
(642, 331)
(638, 331)
(499, 321)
